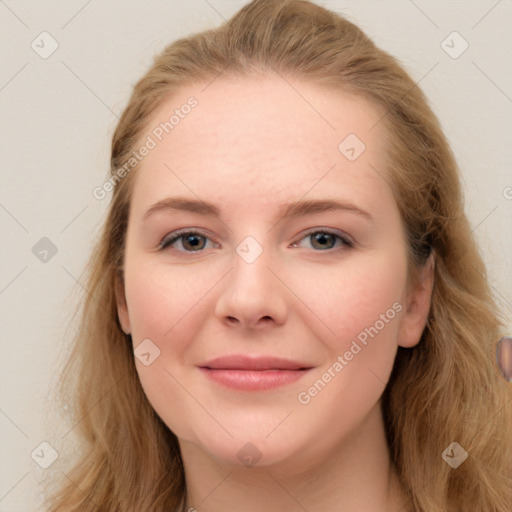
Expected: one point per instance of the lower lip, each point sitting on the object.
(253, 380)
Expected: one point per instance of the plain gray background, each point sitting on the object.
(58, 114)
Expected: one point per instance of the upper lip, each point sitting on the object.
(245, 362)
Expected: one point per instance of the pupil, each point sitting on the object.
(321, 237)
(190, 240)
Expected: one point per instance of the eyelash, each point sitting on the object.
(169, 239)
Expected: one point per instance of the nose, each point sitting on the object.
(254, 295)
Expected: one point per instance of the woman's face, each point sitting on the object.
(254, 284)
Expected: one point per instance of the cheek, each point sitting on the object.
(362, 305)
(165, 307)
(351, 299)
(161, 298)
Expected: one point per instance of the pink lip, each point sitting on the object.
(253, 373)
(245, 362)
(253, 380)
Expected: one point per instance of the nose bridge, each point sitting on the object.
(252, 292)
(251, 275)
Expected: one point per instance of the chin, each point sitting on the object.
(249, 448)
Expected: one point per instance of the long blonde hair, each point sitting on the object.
(446, 389)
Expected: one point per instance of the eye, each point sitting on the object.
(193, 240)
(325, 239)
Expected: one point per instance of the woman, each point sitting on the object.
(287, 308)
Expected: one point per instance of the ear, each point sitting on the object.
(122, 309)
(417, 306)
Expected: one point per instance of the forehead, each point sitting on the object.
(265, 137)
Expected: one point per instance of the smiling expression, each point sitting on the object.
(252, 234)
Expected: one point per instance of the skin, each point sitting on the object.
(250, 145)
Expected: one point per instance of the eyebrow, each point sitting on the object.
(286, 211)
